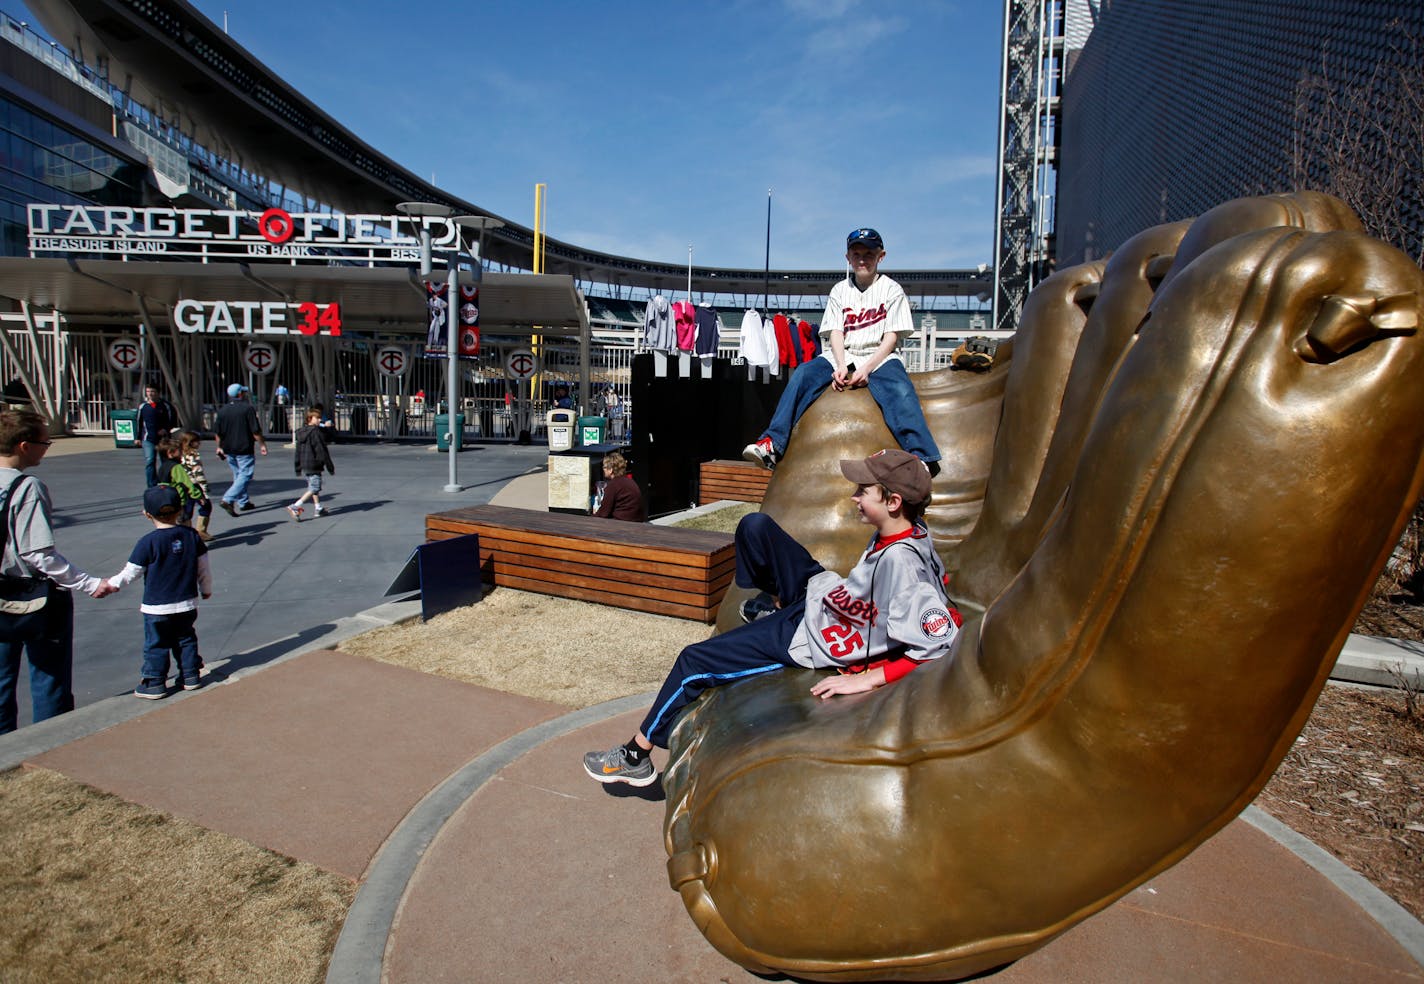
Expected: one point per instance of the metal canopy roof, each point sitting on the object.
(371, 298)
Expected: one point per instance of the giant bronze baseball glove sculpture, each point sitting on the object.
(1209, 458)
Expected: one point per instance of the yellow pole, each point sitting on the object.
(538, 268)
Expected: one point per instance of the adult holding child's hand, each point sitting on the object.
(36, 609)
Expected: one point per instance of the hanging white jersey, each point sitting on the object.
(752, 346)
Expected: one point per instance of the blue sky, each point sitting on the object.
(659, 125)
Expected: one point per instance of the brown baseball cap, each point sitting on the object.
(899, 471)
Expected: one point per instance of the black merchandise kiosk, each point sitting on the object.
(681, 421)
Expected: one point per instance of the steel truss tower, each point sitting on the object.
(1030, 85)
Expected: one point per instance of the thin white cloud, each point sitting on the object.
(821, 10)
(836, 40)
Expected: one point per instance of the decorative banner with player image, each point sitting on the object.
(437, 303)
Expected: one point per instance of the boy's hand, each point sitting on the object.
(840, 379)
(849, 683)
(207, 595)
(104, 589)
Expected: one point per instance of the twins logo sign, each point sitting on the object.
(124, 353)
(259, 357)
(521, 364)
(391, 361)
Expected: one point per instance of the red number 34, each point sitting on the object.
(313, 319)
(843, 639)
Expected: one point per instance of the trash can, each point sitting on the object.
(592, 430)
(125, 424)
(561, 430)
(443, 436)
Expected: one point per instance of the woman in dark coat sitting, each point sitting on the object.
(622, 499)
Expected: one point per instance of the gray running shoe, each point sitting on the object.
(612, 766)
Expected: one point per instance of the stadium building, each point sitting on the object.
(1117, 116)
(171, 211)
(1170, 108)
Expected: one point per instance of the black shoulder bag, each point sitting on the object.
(17, 594)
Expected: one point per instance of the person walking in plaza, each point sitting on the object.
(173, 562)
(613, 407)
(238, 434)
(312, 458)
(156, 420)
(172, 473)
(191, 445)
(866, 317)
(36, 610)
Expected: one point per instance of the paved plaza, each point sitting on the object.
(278, 584)
(480, 849)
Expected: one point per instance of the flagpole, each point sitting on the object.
(766, 278)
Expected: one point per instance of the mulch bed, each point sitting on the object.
(1354, 780)
(1354, 784)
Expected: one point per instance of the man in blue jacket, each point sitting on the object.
(156, 420)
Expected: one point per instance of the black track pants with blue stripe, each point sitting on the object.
(768, 559)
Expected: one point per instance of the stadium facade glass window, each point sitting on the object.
(42, 161)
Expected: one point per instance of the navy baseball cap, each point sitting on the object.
(869, 237)
(161, 499)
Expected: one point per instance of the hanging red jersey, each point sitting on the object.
(785, 344)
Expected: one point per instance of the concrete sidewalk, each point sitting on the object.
(484, 853)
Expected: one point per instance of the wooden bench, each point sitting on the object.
(660, 569)
(739, 481)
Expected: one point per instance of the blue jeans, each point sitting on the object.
(47, 639)
(164, 634)
(242, 465)
(768, 559)
(891, 389)
(150, 463)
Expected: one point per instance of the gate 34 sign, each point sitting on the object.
(257, 317)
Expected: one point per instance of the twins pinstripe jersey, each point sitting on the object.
(865, 316)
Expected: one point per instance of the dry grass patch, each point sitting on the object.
(722, 520)
(568, 652)
(96, 888)
(574, 653)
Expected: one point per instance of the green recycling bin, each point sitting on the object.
(443, 431)
(592, 430)
(125, 425)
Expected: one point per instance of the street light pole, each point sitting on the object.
(479, 223)
(417, 210)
